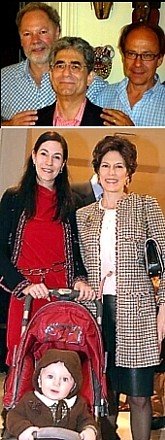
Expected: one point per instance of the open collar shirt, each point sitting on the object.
(149, 111)
(19, 91)
(59, 120)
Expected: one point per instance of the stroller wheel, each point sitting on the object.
(56, 434)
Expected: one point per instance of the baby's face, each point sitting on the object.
(55, 381)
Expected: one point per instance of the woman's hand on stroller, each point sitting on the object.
(37, 291)
(86, 291)
(88, 434)
(27, 434)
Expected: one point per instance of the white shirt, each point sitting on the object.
(49, 402)
(107, 251)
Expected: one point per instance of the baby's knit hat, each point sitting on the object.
(71, 361)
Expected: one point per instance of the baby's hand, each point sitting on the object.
(88, 434)
(27, 434)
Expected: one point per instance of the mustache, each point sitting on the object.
(38, 46)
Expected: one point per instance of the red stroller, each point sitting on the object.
(63, 325)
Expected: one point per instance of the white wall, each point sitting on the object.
(79, 19)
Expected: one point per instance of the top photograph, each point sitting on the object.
(83, 64)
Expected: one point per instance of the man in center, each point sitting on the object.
(71, 72)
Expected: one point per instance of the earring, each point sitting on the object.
(60, 172)
(127, 181)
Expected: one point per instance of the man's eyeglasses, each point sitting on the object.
(75, 67)
(145, 56)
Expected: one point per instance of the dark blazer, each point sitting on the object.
(91, 116)
(83, 194)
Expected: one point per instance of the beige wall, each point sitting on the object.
(150, 176)
(12, 156)
(79, 19)
(16, 145)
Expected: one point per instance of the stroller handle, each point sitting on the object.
(56, 434)
(62, 294)
(65, 294)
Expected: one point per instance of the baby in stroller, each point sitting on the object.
(55, 400)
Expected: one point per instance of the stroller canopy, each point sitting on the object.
(67, 326)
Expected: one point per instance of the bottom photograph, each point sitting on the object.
(82, 283)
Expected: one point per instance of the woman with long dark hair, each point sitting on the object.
(38, 238)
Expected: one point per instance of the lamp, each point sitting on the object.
(102, 9)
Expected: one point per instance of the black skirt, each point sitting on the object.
(137, 382)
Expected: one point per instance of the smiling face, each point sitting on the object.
(37, 34)
(141, 72)
(113, 173)
(48, 162)
(66, 82)
(55, 381)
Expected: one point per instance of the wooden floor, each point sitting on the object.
(123, 421)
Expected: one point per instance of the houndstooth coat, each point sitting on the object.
(137, 218)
